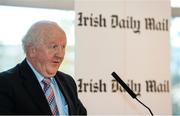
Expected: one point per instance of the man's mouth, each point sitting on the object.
(56, 62)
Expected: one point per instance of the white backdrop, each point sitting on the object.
(130, 37)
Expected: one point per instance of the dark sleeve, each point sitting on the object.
(70, 85)
(81, 110)
(6, 99)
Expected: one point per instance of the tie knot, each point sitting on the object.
(46, 81)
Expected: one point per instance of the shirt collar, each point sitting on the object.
(38, 75)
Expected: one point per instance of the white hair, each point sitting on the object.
(37, 32)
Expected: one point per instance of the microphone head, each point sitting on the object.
(121, 82)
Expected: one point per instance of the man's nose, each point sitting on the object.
(60, 52)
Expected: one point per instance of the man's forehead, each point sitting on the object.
(55, 39)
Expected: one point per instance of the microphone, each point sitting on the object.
(118, 79)
(131, 93)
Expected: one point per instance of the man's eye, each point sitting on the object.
(54, 46)
(57, 46)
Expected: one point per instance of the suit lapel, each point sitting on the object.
(33, 88)
(65, 93)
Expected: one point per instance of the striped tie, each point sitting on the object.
(50, 95)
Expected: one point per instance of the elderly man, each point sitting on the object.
(35, 86)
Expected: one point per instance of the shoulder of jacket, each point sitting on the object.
(10, 73)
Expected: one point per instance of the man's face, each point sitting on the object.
(49, 54)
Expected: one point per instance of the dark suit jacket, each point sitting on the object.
(21, 93)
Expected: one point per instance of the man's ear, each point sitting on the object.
(31, 50)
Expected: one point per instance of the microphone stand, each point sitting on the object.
(131, 93)
(144, 106)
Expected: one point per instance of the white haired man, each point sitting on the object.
(23, 89)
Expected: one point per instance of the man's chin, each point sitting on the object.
(53, 73)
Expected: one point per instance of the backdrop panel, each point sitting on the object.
(130, 37)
